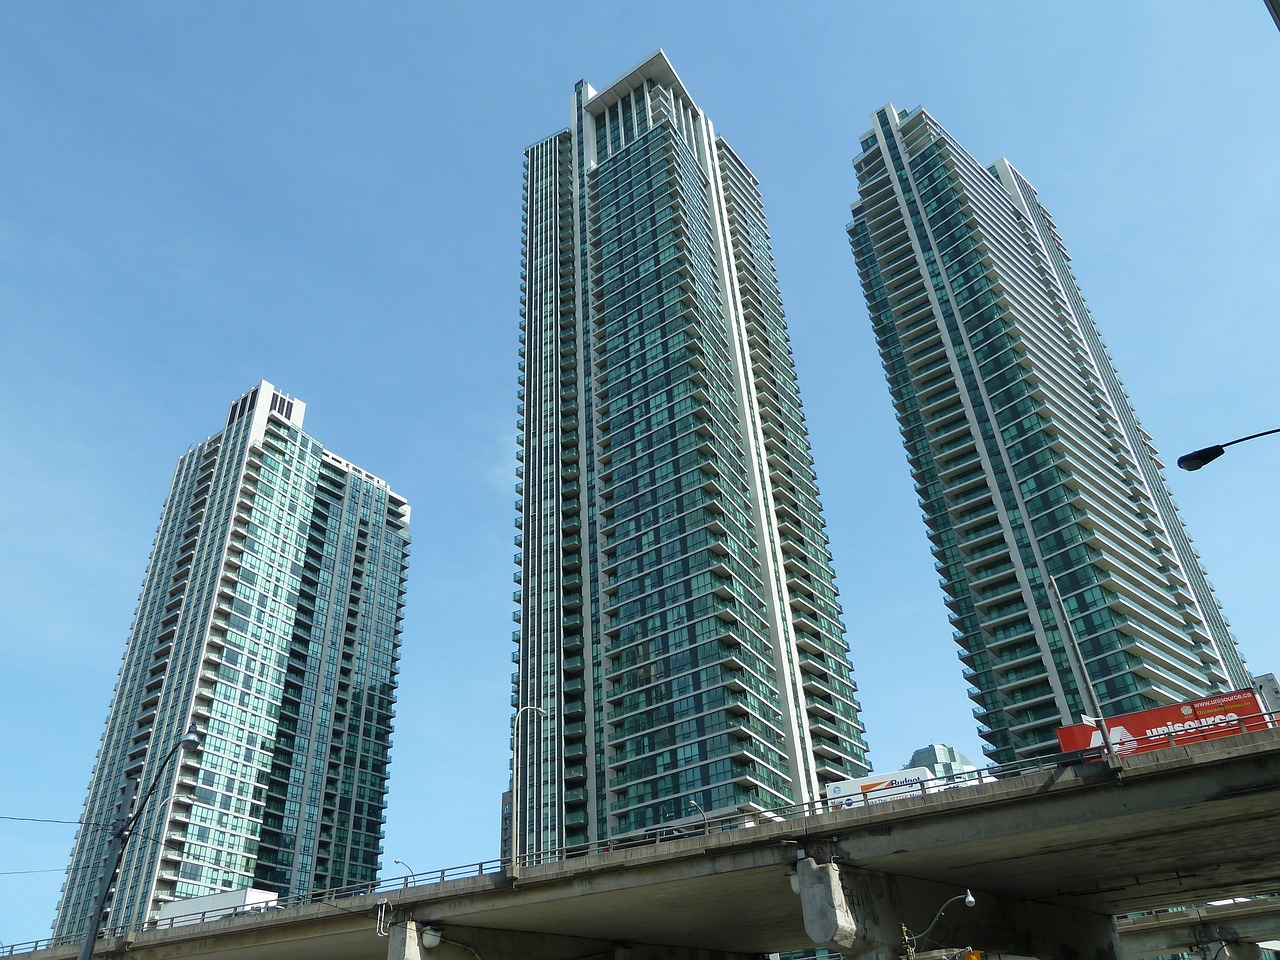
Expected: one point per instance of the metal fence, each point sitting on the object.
(696, 825)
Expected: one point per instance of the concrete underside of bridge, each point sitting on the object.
(1050, 858)
(1063, 851)
(862, 915)
(1178, 827)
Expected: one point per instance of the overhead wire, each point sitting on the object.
(79, 823)
(152, 838)
(14, 873)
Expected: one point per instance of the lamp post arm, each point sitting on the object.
(1198, 458)
(706, 827)
(1252, 436)
(910, 940)
(155, 782)
(941, 911)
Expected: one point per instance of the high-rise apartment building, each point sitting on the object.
(679, 637)
(1030, 464)
(270, 621)
(942, 761)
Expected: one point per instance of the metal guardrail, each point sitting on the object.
(686, 827)
(1195, 732)
(360, 891)
(1215, 910)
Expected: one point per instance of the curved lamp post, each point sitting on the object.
(1198, 458)
(694, 805)
(412, 875)
(121, 829)
(910, 939)
(515, 786)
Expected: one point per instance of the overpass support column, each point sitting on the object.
(865, 916)
(404, 940)
(855, 912)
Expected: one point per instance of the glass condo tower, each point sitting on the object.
(679, 644)
(1029, 462)
(269, 621)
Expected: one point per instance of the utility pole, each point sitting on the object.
(110, 863)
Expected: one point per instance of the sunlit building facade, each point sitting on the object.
(269, 621)
(679, 645)
(1028, 459)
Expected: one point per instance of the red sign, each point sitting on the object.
(1219, 716)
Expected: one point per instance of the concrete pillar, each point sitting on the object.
(849, 911)
(404, 941)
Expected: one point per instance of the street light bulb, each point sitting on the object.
(968, 899)
(1198, 458)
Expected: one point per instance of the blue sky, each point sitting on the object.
(194, 197)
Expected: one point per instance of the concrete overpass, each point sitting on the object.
(1171, 931)
(1051, 857)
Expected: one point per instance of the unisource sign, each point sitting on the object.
(1222, 715)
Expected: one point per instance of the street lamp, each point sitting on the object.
(515, 786)
(121, 829)
(1113, 762)
(910, 939)
(693, 805)
(412, 873)
(1198, 458)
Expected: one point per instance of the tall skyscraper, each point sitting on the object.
(679, 639)
(270, 620)
(1028, 459)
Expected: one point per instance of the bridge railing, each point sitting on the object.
(697, 825)
(694, 825)
(675, 829)
(352, 891)
(1165, 735)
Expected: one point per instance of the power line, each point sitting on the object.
(14, 873)
(78, 823)
(149, 837)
